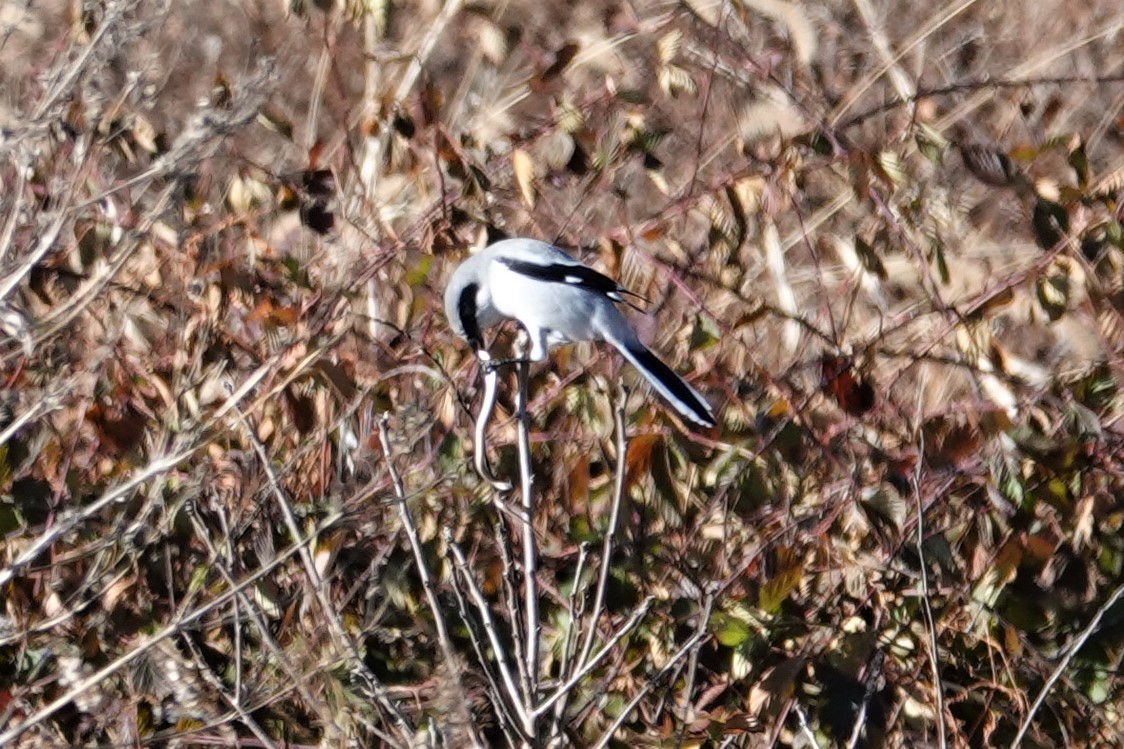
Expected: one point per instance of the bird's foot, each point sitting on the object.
(491, 365)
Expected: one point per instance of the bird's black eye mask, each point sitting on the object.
(466, 311)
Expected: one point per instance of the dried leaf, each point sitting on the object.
(785, 579)
(990, 165)
(524, 167)
(891, 167)
(562, 58)
(1053, 296)
(675, 80)
(668, 46)
(775, 688)
(850, 390)
(641, 450)
(931, 143)
(950, 440)
(1079, 160)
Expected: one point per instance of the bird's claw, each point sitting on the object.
(491, 365)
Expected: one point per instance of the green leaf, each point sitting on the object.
(942, 263)
(777, 590)
(1079, 160)
(418, 273)
(931, 143)
(10, 518)
(1101, 686)
(704, 333)
(728, 630)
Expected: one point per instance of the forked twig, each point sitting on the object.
(563, 690)
(610, 532)
(504, 714)
(672, 663)
(572, 630)
(339, 635)
(174, 628)
(500, 653)
(452, 662)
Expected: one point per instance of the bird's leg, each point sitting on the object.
(491, 365)
(522, 341)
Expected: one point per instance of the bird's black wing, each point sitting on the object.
(578, 275)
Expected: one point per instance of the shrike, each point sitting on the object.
(557, 300)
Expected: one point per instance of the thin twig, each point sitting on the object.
(650, 683)
(204, 669)
(634, 620)
(503, 709)
(253, 611)
(872, 678)
(417, 62)
(1070, 651)
(926, 607)
(693, 664)
(331, 616)
(511, 599)
(802, 719)
(566, 664)
(614, 519)
(177, 626)
(227, 553)
(452, 662)
(500, 653)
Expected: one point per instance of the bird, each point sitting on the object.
(557, 300)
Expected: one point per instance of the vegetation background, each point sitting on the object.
(883, 238)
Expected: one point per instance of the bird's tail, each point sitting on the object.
(675, 390)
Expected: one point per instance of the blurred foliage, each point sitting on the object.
(885, 243)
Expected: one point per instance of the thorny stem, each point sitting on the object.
(530, 554)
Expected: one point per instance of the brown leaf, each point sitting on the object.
(314, 153)
(785, 578)
(990, 165)
(839, 378)
(638, 462)
(562, 58)
(775, 688)
(578, 481)
(119, 424)
(741, 723)
(950, 440)
(302, 410)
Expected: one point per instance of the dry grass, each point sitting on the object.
(884, 239)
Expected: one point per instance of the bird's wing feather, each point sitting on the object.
(684, 398)
(571, 274)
